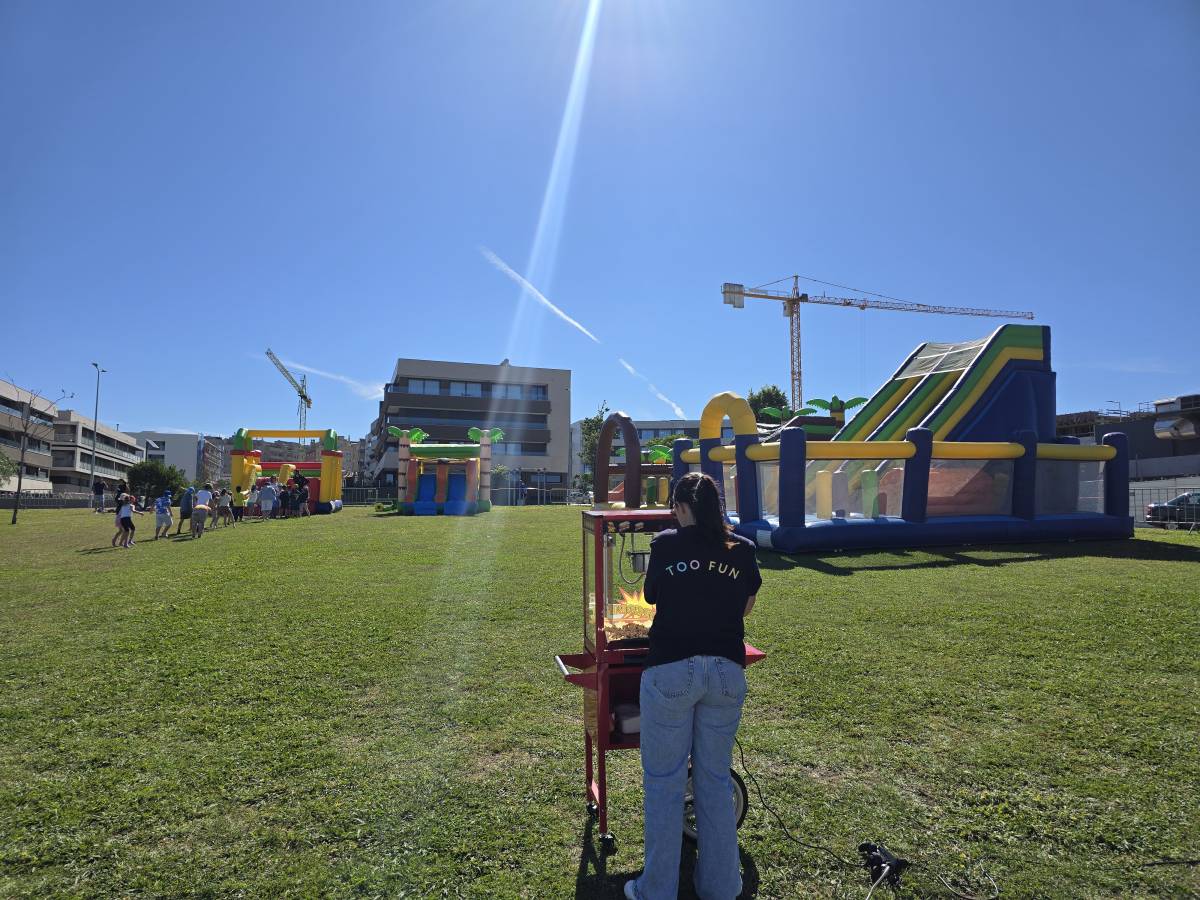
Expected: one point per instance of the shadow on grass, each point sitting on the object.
(944, 558)
(595, 882)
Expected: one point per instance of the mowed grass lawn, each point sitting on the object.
(367, 705)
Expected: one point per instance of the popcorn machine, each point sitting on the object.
(616, 628)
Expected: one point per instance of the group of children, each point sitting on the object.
(205, 506)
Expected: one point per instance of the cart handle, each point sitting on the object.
(577, 661)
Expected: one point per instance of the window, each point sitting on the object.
(12, 408)
(424, 386)
(466, 389)
(538, 392)
(506, 391)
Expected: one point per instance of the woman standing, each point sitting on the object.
(703, 580)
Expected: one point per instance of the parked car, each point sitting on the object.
(1185, 508)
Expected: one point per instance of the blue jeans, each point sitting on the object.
(690, 708)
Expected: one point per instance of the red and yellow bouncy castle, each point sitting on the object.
(247, 467)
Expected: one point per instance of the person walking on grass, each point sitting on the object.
(238, 503)
(304, 499)
(703, 579)
(162, 516)
(98, 490)
(186, 502)
(126, 509)
(252, 507)
(200, 509)
(225, 508)
(266, 498)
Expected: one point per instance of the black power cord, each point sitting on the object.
(881, 863)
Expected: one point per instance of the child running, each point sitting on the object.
(125, 512)
(162, 516)
(120, 533)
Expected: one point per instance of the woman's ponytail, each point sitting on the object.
(699, 492)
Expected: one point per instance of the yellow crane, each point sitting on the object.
(735, 295)
(301, 388)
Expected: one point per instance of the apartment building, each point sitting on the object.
(530, 405)
(194, 454)
(647, 430)
(71, 453)
(15, 405)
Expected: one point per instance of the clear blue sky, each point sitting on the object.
(185, 185)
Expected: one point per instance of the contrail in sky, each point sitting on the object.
(653, 388)
(532, 291)
(364, 389)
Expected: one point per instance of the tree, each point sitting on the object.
(8, 468)
(767, 395)
(28, 423)
(589, 430)
(152, 478)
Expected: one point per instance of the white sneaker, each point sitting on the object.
(631, 889)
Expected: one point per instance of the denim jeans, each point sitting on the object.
(690, 708)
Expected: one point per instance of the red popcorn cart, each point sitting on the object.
(616, 629)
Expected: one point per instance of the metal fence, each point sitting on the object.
(360, 496)
(46, 501)
(536, 496)
(1145, 493)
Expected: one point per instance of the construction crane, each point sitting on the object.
(301, 388)
(735, 295)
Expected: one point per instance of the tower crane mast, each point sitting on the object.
(301, 388)
(735, 295)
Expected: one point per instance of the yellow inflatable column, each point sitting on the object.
(824, 494)
(331, 475)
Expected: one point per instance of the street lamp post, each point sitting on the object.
(95, 426)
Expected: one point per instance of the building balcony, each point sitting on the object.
(395, 400)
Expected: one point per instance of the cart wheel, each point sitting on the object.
(741, 800)
(593, 810)
(608, 844)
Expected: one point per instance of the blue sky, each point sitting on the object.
(186, 185)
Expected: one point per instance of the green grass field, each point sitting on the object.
(366, 705)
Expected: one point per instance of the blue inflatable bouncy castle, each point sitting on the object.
(958, 446)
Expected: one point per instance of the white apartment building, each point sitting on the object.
(71, 454)
(197, 456)
(15, 403)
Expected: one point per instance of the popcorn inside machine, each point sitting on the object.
(616, 629)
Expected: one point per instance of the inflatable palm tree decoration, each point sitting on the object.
(476, 434)
(837, 407)
(414, 435)
(784, 414)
